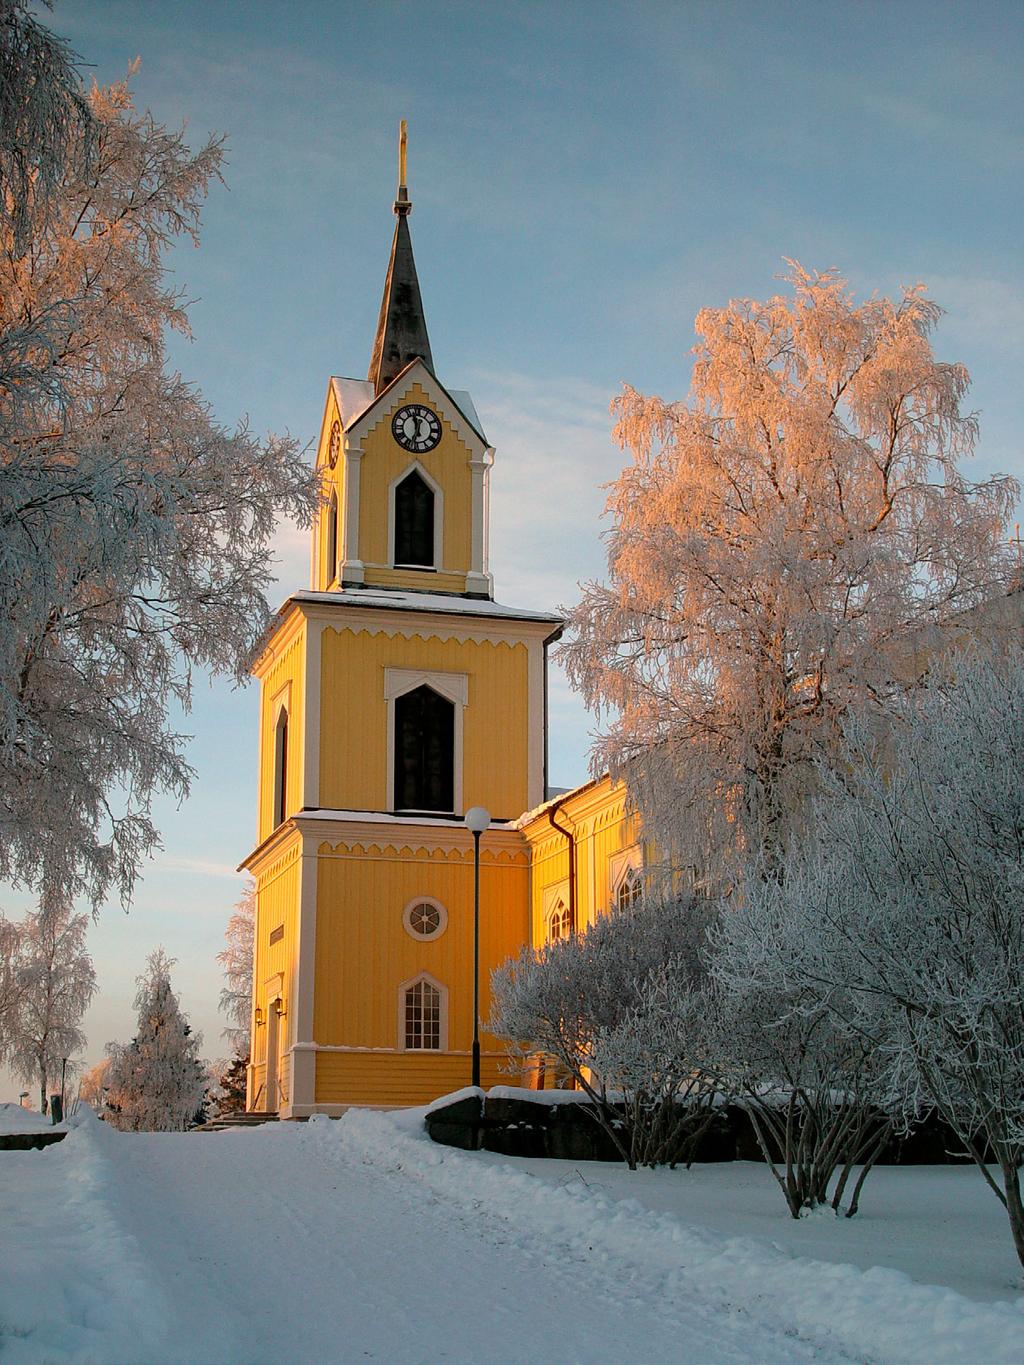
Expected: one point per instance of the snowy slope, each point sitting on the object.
(360, 1240)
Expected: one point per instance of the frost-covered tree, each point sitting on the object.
(231, 1080)
(774, 541)
(134, 530)
(156, 1083)
(58, 983)
(45, 121)
(12, 981)
(808, 1075)
(619, 1008)
(914, 882)
(236, 960)
(93, 1084)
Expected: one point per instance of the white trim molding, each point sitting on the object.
(416, 468)
(434, 904)
(443, 1013)
(620, 865)
(350, 567)
(452, 686)
(479, 579)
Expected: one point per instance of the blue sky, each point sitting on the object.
(585, 177)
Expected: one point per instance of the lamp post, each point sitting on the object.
(477, 821)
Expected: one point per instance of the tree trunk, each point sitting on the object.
(1014, 1204)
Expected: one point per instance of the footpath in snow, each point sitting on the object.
(355, 1240)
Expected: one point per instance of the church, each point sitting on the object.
(396, 695)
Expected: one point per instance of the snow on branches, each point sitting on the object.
(156, 1082)
(134, 530)
(909, 897)
(774, 541)
(236, 960)
(620, 1009)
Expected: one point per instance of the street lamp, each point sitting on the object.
(477, 820)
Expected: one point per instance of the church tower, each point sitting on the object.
(395, 693)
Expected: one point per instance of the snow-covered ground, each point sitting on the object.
(358, 1239)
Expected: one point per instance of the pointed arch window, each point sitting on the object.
(559, 921)
(424, 751)
(422, 1015)
(332, 538)
(281, 767)
(629, 889)
(414, 522)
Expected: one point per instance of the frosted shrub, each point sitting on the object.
(620, 1008)
(915, 881)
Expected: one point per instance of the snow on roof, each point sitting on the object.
(559, 795)
(379, 817)
(448, 603)
(357, 396)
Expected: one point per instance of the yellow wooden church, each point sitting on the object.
(396, 694)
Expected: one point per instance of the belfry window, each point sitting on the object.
(422, 1017)
(424, 751)
(281, 767)
(332, 538)
(414, 523)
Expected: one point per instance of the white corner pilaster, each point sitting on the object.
(351, 570)
(303, 1090)
(311, 714)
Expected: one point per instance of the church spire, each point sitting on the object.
(401, 328)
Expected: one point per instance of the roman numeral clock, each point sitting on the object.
(416, 428)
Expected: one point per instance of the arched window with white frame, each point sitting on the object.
(332, 538)
(559, 921)
(422, 1015)
(280, 810)
(629, 890)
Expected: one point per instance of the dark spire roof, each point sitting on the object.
(401, 327)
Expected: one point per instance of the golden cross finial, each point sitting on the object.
(401, 159)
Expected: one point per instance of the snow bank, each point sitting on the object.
(878, 1314)
(74, 1285)
(15, 1119)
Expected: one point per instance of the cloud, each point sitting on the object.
(201, 866)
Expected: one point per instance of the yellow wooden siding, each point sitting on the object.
(353, 717)
(419, 582)
(277, 903)
(602, 831)
(384, 460)
(361, 937)
(333, 481)
(282, 678)
(406, 1078)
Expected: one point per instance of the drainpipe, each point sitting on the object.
(571, 837)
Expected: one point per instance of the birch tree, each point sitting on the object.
(134, 529)
(774, 540)
(236, 959)
(156, 1083)
(58, 983)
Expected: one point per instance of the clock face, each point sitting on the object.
(335, 444)
(416, 428)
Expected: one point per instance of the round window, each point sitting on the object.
(425, 919)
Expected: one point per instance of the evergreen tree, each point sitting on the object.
(231, 1099)
(157, 1082)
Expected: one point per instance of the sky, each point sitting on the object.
(585, 177)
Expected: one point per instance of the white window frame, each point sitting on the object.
(279, 784)
(438, 492)
(436, 905)
(619, 866)
(332, 547)
(454, 687)
(442, 1014)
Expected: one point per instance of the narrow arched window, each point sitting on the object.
(629, 890)
(332, 538)
(559, 921)
(281, 767)
(414, 523)
(424, 751)
(422, 1017)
